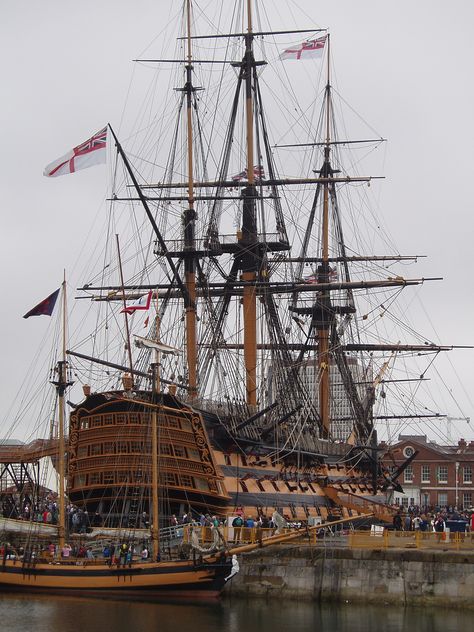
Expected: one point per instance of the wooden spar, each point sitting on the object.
(276, 287)
(61, 386)
(189, 220)
(249, 274)
(347, 347)
(287, 537)
(125, 313)
(274, 181)
(149, 214)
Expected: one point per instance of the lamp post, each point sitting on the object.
(457, 481)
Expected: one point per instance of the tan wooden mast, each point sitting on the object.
(249, 294)
(189, 220)
(324, 360)
(61, 387)
(155, 524)
(155, 514)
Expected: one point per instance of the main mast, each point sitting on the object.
(323, 321)
(248, 237)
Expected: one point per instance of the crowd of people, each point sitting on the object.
(433, 519)
(46, 511)
(119, 554)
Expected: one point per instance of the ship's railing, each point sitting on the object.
(234, 535)
(380, 538)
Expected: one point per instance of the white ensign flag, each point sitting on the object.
(91, 152)
(310, 48)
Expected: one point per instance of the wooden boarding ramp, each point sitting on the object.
(282, 538)
(363, 506)
(30, 452)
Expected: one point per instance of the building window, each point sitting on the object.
(442, 499)
(426, 499)
(408, 474)
(442, 473)
(425, 473)
(404, 502)
(408, 451)
(467, 500)
(467, 474)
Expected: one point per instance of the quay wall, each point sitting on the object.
(386, 576)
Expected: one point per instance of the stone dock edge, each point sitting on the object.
(389, 576)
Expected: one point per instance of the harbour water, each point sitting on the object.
(65, 614)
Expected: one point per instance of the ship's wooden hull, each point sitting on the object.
(110, 460)
(153, 580)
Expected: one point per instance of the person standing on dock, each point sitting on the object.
(237, 523)
(397, 522)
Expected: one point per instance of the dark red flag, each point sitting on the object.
(45, 308)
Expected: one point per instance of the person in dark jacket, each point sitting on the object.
(397, 522)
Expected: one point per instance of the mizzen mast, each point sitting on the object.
(189, 227)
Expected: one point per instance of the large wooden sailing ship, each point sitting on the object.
(254, 387)
(273, 367)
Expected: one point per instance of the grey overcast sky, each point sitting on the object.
(406, 66)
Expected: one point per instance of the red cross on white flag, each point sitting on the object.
(91, 152)
(310, 48)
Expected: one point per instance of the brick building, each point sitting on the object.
(438, 476)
